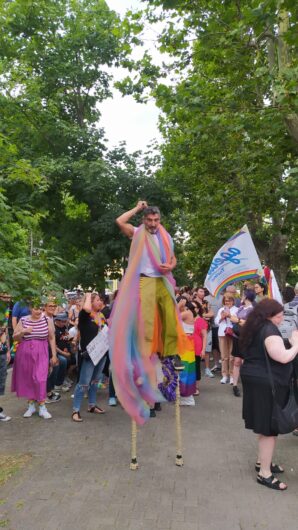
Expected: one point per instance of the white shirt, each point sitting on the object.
(147, 267)
(226, 322)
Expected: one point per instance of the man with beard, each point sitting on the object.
(145, 319)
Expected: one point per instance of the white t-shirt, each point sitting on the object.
(226, 322)
(147, 267)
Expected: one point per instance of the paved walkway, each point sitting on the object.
(79, 476)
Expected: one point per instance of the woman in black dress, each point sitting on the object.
(261, 330)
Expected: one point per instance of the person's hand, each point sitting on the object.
(203, 355)
(54, 361)
(8, 357)
(165, 268)
(141, 206)
(27, 331)
(294, 338)
(235, 319)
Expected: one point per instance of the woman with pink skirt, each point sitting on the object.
(34, 333)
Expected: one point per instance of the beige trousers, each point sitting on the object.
(227, 360)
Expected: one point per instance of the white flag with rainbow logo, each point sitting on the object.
(236, 260)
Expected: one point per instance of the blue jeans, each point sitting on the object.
(62, 370)
(3, 373)
(89, 378)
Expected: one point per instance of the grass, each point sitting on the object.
(11, 464)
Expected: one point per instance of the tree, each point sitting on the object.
(228, 119)
(59, 184)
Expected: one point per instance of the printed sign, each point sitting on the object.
(99, 345)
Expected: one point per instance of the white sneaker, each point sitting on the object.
(208, 373)
(30, 411)
(44, 413)
(231, 381)
(3, 416)
(224, 379)
(189, 400)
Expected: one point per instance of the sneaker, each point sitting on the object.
(157, 407)
(65, 388)
(67, 383)
(208, 373)
(30, 411)
(215, 368)
(112, 402)
(224, 379)
(236, 391)
(177, 363)
(44, 413)
(3, 416)
(53, 398)
(188, 401)
(231, 381)
(58, 387)
(152, 413)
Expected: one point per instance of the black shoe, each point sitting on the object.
(177, 363)
(152, 413)
(236, 391)
(157, 407)
(53, 398)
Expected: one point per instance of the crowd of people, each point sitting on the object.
(44, 343)
(226, 334)
(51, 339)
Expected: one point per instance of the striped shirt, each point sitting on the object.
(40, 328)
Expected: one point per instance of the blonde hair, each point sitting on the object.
(227, 298)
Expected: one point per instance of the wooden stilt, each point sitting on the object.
(179, 459)
(133, 463)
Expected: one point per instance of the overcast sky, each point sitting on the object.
(123, 118)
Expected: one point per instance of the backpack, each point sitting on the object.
(290, 322)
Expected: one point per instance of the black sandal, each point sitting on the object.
(76, 413)
(96, 410)
(271, 482)
(275, 468)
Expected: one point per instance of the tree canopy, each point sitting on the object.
(230, 123)
(227, 92)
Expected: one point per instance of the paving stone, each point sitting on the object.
(79, 476)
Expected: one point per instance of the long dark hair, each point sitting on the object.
(200, 309)
(265, 309)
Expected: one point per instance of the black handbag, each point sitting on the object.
(283, 420)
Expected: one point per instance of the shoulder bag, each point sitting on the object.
(283, 420)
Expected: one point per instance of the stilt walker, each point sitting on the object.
(146, 325)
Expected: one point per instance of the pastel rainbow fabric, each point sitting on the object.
(188, 375)
(133, 369)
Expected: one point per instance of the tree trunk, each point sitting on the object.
(276, 257)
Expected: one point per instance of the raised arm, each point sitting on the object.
(122, 221)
